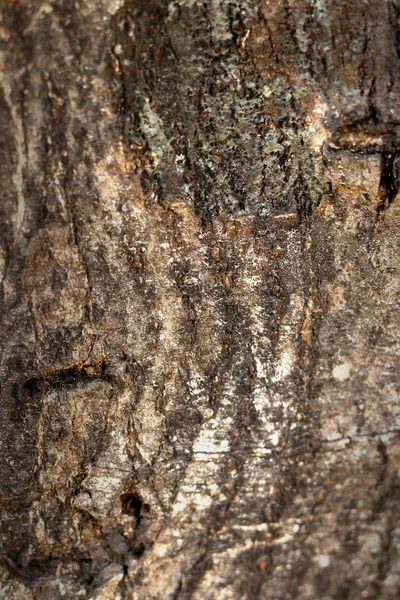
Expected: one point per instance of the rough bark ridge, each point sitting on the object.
(200, 281)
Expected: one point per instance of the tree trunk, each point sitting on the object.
(200, 299)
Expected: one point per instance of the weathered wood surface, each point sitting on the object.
(200, 299)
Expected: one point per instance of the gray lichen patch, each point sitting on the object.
(242, 145)
(151, 127)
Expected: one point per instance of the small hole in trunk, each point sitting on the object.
(132, 505)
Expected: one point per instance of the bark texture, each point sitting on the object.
(200, 299)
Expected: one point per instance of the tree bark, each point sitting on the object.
(200, 299)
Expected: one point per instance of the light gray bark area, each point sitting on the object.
(200, 300)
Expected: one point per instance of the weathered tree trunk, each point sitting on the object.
(200, 299)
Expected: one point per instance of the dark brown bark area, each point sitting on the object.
(200, 318)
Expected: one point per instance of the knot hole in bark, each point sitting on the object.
(133, 505)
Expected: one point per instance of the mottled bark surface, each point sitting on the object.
(200, 299)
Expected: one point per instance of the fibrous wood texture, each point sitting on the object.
(200, 299)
